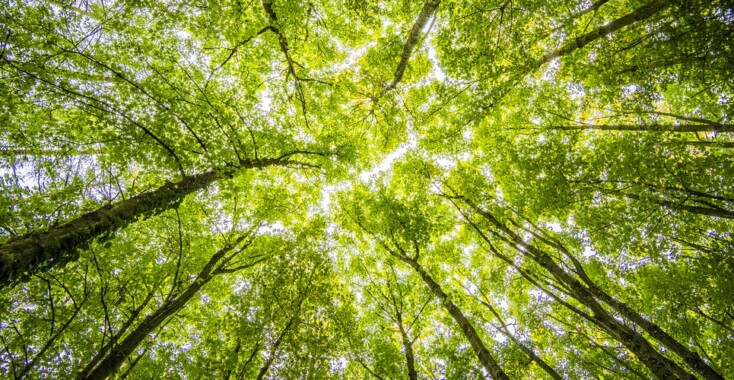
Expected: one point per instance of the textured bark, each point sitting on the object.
(637, 15)
(527, 350)
(42, 250)
(117, 355)
(415, 33)
(408, 348)
(273, 350)
(653, 127)
(485, 357)
(658, 364)
(708, 211)
(690, 357)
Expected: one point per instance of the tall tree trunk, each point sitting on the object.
(103, 350)
(527, 350)
(485, 357)
(43, 250)
(652, 127)
(658, 364)
(429, 7)
(690, 357)
(483, 354)
(579, 42)
(117, 355)
(708, 211)
(408, 347)
(274, 347)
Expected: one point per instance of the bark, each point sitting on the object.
(117, 355)
(116, 337)
(255, 350)
(408, 347)
(658, 364)
(274, 348)
(708, 211)
(429, 7)
(637, 15)
(43, 250)
(690, 357)
(485, 357)
(527, 350)
(653, 127)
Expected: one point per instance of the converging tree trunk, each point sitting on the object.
(117, 354)
(408, 348)
(579, 42)
(43, 250)
(486, 359)
(525, 349)
(429, 7)
(660, 365)
(708, 211)
(648, 128)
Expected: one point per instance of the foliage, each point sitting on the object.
(364, 189)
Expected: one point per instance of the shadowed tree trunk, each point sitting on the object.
(579, 42)
(274, 348)
(708, 211)
(658, 364)
(408, 347)
(429, 7)
(651, 127)
(43, 250)
(118, 353)
(485, 357)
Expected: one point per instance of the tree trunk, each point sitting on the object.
(658, 364)
(485, 357)
(408, 347)
(708, 211)
(527, 350)
(415, 33)
(649, 128)
(102, 353)
(637, 15)
(42, 250)
(117, 355)
(691, 358)
(274, 348)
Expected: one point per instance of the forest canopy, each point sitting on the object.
(361, 189)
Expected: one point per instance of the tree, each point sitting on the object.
(365, 189)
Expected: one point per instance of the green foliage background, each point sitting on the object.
(598, 132)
